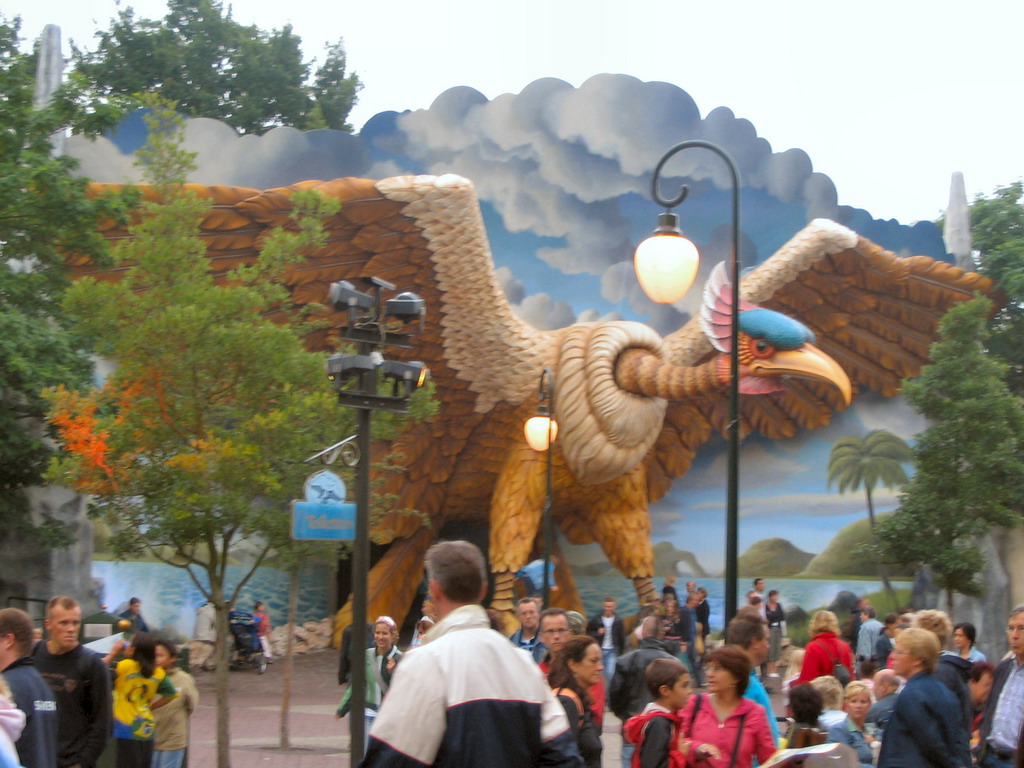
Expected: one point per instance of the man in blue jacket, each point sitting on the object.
(527, 636)
(37, 746)
(926, 729)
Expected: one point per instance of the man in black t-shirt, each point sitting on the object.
(37, 744)
(81, 684)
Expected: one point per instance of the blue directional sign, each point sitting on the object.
(323, 515)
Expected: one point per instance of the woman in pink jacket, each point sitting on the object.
(723, 729)
(825, 650)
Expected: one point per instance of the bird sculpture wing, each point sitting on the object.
(424, 234)
(872, 311)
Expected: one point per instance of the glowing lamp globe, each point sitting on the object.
(666, 266)
(536, 431)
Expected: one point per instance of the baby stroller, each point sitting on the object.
(246, 649)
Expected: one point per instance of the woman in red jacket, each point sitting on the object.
(825, 649)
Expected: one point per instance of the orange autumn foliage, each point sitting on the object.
(80, 432)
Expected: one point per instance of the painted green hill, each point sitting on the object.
(773, 557)
(844, 556)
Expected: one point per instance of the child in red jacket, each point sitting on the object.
(655, 731)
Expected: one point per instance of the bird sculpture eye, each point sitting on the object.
(762, 348)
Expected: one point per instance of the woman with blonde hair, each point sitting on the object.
(794, 666)
(826, 654)
(924, 729)
(381, 660)
(852, 731)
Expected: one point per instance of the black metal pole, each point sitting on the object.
(732, 515)
(548, 387)
(732, 505)
(368, 331)
(360, 569)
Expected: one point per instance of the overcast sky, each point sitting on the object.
(887, 99)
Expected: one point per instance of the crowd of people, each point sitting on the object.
(60, 702)
(907, 691)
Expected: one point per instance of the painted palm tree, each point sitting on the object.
(867, 462)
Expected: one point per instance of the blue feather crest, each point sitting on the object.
(781, 331)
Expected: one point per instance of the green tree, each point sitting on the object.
(876, 459)
(190, 447)
(969, 470)
(193, 446)
(997, 232)
(212, 66)
(44, 213)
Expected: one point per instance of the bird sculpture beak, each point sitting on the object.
(807, 362)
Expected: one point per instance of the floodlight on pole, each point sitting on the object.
(356, 378)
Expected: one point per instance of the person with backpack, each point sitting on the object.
(629, 693)
(574, 670)
(826, 654)
(655, 731)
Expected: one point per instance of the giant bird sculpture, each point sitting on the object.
(633, 408)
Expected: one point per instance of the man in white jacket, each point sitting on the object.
(468, 697)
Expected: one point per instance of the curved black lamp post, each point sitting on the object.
(541, 431)
(665, 235)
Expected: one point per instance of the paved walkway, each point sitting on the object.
(317, 739)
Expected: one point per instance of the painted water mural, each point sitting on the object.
(170, 599)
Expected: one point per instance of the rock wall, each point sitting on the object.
(31, 574)
(310, 636)
(988, 613)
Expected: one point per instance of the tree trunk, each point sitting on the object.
(883, 568)
(286, 687)
(221, 679)
(949, 605)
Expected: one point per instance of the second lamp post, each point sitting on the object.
(541, 431)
